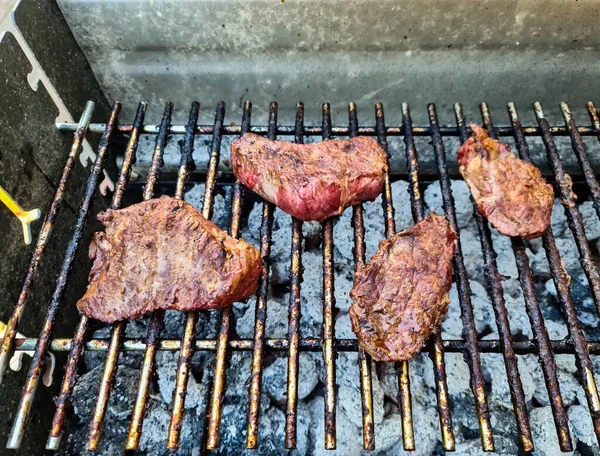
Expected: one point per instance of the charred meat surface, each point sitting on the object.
(401, 296)
(509, 192)
(163, 254)
(310, 181)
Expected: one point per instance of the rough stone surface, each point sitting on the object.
(462, 198)
(590, 220)
(544, 432)
(275, 378)
(166, 371)
(583, 429)
(349, 442)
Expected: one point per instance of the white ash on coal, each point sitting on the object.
(388, 425)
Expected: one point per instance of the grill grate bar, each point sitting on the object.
(496, 294)
(437, 348)
(294, 310)
(562, 282)
(16, 433)
(593, 113)
(13, 323)
(580, 150)
(283, 130)
(214, 418)
(156, 320)
(328, 320)
(364, 360)
(187, 343)
(408, 437)
(574, 218)
(328, 344)
(464, 290)
(308, 344)
(266, 231)
(118, 330)
(538, 326)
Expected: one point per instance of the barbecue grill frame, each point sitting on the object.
(471, 347)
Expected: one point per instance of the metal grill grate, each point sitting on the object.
(471, 347)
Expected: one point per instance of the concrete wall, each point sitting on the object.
(341, 51)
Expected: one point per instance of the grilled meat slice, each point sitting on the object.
(401, 296)
(509, 192)
(310, 181)
(163, 254)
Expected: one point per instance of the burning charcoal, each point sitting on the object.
(166, 371)
(503, 445)
(387, 433)
(373, 222)
(349, 398)
(590, 220)
(583, 429)
(156, 428)
(471, 248)
(495, 374)
(459, 389)
(276, 326)
(558, 221)
(275, 377)
(344, 280)
(452, 324)
(118, 412)
(343, 232)
(195, 196)
(462, 200)
(348, 434)
(570, 387)
(343, 327)
(280, 241)
(543, 431)
(271, 432)
(426, 425)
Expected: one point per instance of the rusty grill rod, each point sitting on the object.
(464, 290)
(13, 323)
(364, 360)
(580, 150)
(218, 391)
(294, 310)
(288, 130)
(437, 348)
(408, 436)
(156, 321)
(538, 326)
(308, 344)
(562, 282)
(593, 113)
(574, 218)
(70, 376)
(496, 294)
(118, 330)
(328, 320)
(187, 350)
(260, 312)
(41, 348)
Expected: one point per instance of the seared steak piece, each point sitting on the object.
(511, 193)
(401, 296)
(163, 254)
(310, 181)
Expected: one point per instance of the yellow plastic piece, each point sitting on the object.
(25, 217)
